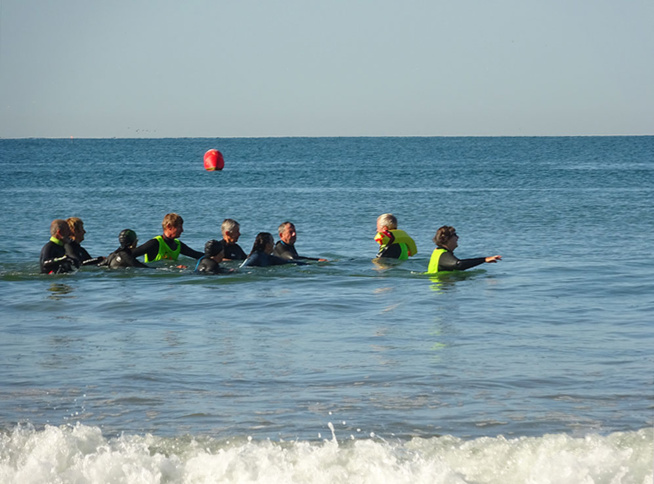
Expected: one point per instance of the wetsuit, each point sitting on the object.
(443, 260)
(234, 252)
(122, 258)
(82, 255)
(57, 257)
(287, 251)
(393, 251)
(209, 266)
(261, 259)
(164, 248)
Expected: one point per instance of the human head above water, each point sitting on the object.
(173, 220)
(387, 220)
(76, 227)
(172, 225)
(287, 233)
(59, 229)
(263, 242)
(127, 238)
(444, 235)
(231, 230)
(214, 247)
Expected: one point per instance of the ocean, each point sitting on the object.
(537, 369)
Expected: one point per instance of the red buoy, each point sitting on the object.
(213, 160)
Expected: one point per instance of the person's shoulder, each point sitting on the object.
(279, 248)
(235, 252)
(284, 251)
(252, 260)
(115, 259)
(400, 234)
(47, 249)
(153, 240)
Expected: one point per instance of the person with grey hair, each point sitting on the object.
(285, 247)
(231, 231)
(393, 243)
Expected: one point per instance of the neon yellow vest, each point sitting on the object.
(433, 262)
(400, 237)
(165, 252)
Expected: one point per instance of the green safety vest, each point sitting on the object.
(433, 262)
(165, 252)
(400, 237)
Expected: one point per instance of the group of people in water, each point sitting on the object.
(64, 253)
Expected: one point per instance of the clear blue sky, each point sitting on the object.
(325, 68)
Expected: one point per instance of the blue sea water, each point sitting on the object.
(536, 369)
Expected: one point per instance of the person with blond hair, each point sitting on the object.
(57, 256)
(167, 246)
(77, 233)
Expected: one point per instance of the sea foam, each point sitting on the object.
(82, 454)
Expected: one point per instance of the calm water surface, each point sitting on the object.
(536, 369)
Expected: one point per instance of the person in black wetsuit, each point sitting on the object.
(285, 247)
(443, 258)
(168, 245)
(57, 255)
(214, 250)
(231, 231)
(261, 254)
(76, 238)
(123, 256)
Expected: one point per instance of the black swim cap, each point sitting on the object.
(126, 238)
(213, 247)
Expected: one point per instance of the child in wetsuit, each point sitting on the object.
(209, 263)
(123, 257)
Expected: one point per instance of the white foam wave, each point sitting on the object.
(81, 454)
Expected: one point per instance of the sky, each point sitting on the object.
(244, 68)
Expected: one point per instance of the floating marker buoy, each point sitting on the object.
(213, 160)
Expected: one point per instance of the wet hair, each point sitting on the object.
(262, 239)
(387, 219)
(228, 225)
(282, 227)
(443, 234)
(126, 238)
(213, 247)
(59, 225)
(74, 224)
(173, 220)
